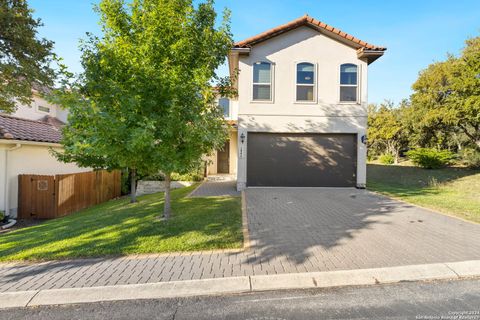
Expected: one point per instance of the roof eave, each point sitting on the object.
(30, 142)
(370, 55)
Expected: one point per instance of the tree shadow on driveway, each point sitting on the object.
(296, 223)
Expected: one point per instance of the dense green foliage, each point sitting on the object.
(442, 113)
(446, 99)
(117, 227)
(24, 58)
(470, 157)
(429, 158)
(145, 100)
(386, 130)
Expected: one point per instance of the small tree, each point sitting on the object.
(145, 99)
(24, 58)
(386, 132)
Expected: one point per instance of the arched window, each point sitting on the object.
(348, 82)
(305, 82)
(262, 81)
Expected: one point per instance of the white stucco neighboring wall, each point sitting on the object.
(29, 158)
(283, 114)
(34, 112)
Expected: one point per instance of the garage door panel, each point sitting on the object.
(310, 160)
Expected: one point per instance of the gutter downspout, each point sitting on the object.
(7, 184)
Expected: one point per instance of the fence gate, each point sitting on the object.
(46, 197)
(40, 191)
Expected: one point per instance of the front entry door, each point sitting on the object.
(223, 159)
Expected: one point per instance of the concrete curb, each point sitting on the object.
(245, 284)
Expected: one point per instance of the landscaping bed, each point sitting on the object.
(454, 191)
(118, 227)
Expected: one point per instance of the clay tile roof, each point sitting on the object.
(309, 22)
(13, 128)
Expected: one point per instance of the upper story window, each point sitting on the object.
(262, 81)
(224, 104)
(305, 82)
(348, 82)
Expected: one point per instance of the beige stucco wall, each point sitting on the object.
(233, 152)
(283, 114)
(33, 113)
(28, 159)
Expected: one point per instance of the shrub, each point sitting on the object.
(470, 158)
(191, 176)
(430, 158)
(386, 158)
(194, 175)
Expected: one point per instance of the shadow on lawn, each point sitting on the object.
(118, 227)
(412, 181)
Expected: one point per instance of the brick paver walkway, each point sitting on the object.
(292, 230)
(216, 189)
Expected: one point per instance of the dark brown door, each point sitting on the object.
(223, 159)
(301, 160)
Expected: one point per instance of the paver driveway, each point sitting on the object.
(343, 228)
(291, 230)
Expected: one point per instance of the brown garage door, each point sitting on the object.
(301, 160)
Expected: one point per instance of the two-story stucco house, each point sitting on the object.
(301, 112)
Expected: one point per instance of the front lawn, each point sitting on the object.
(118, 227)
(454, 191)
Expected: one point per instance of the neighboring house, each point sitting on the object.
(301, 112)
(40, 109)
(26, 138)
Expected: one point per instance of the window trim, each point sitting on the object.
(315, 81)
(272, 77)
(340, 85)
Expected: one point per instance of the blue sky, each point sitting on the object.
(416, 33)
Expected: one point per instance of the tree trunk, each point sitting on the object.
(396, 156)
(474, 138)
(133, 185)
(166, 206)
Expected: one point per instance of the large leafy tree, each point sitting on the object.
(446, 98)
(145, 100)
(24, 58)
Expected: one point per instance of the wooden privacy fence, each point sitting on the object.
(46, 197)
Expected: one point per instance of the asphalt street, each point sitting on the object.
(458, 299)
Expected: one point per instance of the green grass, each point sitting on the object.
(454, 191)
(118, 227)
